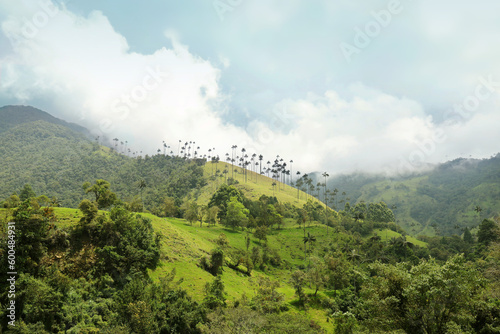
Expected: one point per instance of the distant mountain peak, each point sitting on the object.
(13, 115)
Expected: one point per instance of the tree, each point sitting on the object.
(310, 238)
(468, 236)
(26, 193)
(31, 230)
(261, 233)
(274, 218)
(255, 256)
(212, 215)
(141, 186)
(12, 202)
(237, 214)
(478, 209)
(222, 197)
(325, 175)
(215, 296)
(316, 274)
(404, 244)
(169, 207)
(428, 298)
(302, 217)
(267, 299)
(104, 197)
(89, 210)
(190, 211)
(216, 261)
(488, 232)
(298, 281)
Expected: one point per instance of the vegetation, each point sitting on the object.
(179, 246)
(444, 201)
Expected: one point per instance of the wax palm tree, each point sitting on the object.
(234, 147)
(299, 184)
(478, 210)
(325, 175)
(353, 256)
(309, 239)
(142, 185)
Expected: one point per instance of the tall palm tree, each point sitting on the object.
(325, 175)
(234, 147)
(478, 210)
(354, 256)
(142, 185)
(299, 184)
(309, 239)
(261, 157)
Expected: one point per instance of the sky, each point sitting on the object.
(337, 86)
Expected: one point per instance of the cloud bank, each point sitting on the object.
(84, 71)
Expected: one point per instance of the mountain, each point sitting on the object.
(259, 260)
(11, 116)
(56, 158)
(441, 200)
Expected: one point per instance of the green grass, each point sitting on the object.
(183, 244)
(387, 235)
(255, 186)
(67, 216)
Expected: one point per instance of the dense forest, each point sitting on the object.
(442, 201)
(96, 239)
(56, 160)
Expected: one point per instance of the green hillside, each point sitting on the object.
(163, 244)
(342, 259)
(442, 201)
(11, 116)
(56, 160)
(253, 186)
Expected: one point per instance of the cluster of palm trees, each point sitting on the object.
(279, 169)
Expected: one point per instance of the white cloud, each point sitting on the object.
(373, 131)
(86, 68)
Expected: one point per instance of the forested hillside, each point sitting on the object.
(247, 266)
(97, 241)
(55, 160)
(454, 195)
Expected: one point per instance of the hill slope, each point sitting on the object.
(443, 199)
(253, 186)
(56, 160)
(11, 116)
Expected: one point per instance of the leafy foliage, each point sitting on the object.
(56, 160)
